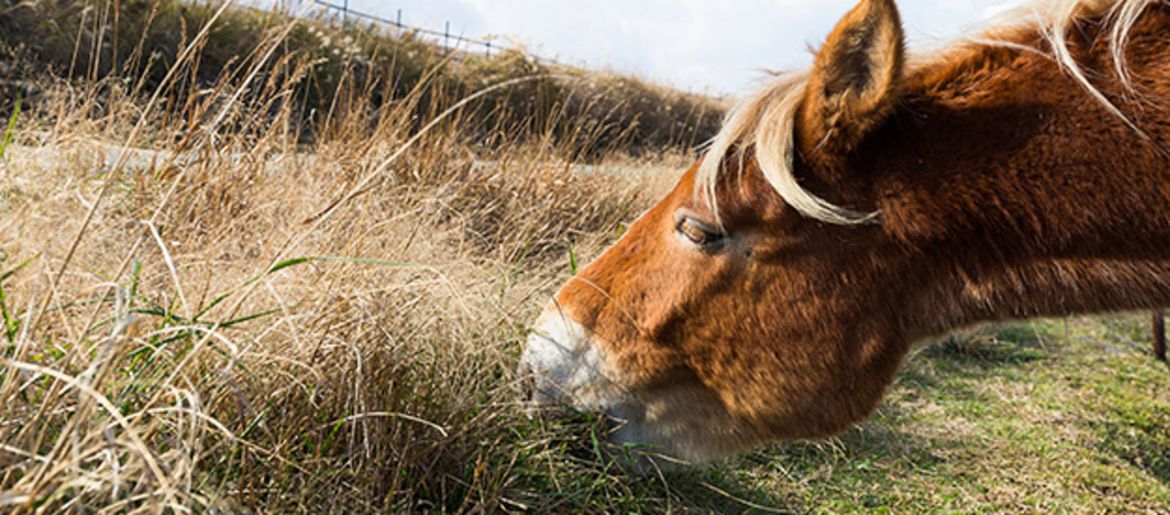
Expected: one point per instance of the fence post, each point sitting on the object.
(1160, 336)
(446, 36)
(398, 23)
(345, 12)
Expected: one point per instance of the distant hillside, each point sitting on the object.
(357, 67)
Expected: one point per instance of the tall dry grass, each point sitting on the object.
(199, 312)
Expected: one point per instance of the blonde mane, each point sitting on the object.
(765, 121)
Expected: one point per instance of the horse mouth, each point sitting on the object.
(564, 369)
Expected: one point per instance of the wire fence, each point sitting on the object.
(449, 41)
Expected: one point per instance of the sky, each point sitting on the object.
(719, 47)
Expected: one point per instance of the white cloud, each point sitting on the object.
(715, 45)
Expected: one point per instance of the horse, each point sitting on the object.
(879, 199)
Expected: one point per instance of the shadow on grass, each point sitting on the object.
(858, 470)
(715, 490)
(1014, 345)
(1137, 426)
(1142, 446)
(593, 475)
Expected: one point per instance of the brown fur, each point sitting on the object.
(1005, 192)
(855, 74)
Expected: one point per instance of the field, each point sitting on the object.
(210, 299)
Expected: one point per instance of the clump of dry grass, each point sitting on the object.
(233, 320)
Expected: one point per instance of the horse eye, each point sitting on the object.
(699, 233)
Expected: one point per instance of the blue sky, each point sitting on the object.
(718, 46)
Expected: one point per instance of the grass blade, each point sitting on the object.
(10, 132)
(290, 263)
(338, 259)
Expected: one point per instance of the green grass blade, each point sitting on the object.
(248, 318)
(289, 263)
(11, 324)
(10, 132)
(135, 280)
(15, 270)
(572, 261)
(340, 259)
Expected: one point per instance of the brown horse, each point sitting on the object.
(873, 202)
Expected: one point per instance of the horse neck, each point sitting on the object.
(1016, 195)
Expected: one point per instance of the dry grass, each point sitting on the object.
(232, 320)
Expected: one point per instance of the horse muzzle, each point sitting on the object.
(563, 364)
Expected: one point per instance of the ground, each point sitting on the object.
(1025, 417)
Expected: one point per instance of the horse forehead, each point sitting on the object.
(746, 199)
(743, 196)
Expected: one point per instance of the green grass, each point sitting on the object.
(1019, 418)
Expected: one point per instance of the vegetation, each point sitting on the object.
(326, 69)
(1051, 416)
(200, 307)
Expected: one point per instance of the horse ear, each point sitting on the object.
(855, 78)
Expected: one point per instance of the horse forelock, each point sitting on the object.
(763, 124)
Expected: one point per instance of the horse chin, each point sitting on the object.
(678, 422)
(681, 423)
